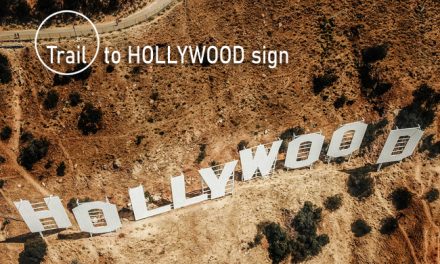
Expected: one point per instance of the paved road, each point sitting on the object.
(83, 30)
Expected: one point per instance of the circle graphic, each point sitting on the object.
(97, 41)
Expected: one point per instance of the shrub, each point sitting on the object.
(202, 153)
(307, 243)
(323, 81)
(139, 139)
(110, 68)
(74, 99)
(242, 145)
(360, 185)
(6, 133)
(375, 53)
(61, 80)
(333, 203)
(51, 100)
(84, 75)
(279, 242)
(307, 219)
(287, 136)
(360, 228)
(34, 251)
(428, 144)
(90, 119)
(2, 183)
(61, 169)
(2, 159)
(5, 70)
(388, 225)
(35, 151)
(421, 111)
(340, 102)
(22, 9)
(432, 195)
(401, 198)
(72, 202)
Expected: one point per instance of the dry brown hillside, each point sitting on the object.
(155, 118)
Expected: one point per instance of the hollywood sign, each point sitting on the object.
(218, 181)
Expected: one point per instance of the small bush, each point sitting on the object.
(2, 183)
(74, 99)
(90, 120)
(5, 70)
(84, 75)
(139, 139)
(340, 102)
(72, 202)
(35, 151)
(61, 169)
(59, 80)
(388, 225)
(242, 145)
(375, 53)
(307, 219)
(360, 228)
(279, 242)
(333, 203)
(401, 198)
(287, 136)
(323, 81)
(2, 159)
(202, 153)
(360, 185)
(432, 195)
(110, 68)
(51, 100)
(34, 251)
(6, 133)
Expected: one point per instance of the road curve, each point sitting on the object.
(84, 30)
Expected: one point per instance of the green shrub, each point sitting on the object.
(307, 219)
(287, 136)
(243, 144)
(323, 81)
(51, 100)
(388, 225)
(6, 133)
(401, 198)
(74, 99)
(61, 169)
(5, 70)
(202, 153)
(360, 185)
(333, 203)
(360, 228)
(375, 53)
(90, 119)
(34, 251)
(35, 151)
(279, 242)
(2, 159)
(2, 183)
(432, 195)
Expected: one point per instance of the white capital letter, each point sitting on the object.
(179, 193)
(36, 218)
(400, 144)
(310, 145)
(217, 185)
(92, 215)
(347, 139)
(262, 161)
(139, 204)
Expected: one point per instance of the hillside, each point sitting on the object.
(156, 118)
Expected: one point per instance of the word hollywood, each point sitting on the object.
(102, 217)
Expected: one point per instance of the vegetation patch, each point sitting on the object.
(287, 136)
(388, 225)
(33, 152)
(401, 198)
(5, 67)
(360, 228)
(34, 251)
(333, 203)
(432, 195)
(6, 133)
(360, 184)
(323, 81)
(90, 119)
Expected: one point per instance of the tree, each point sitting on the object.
(34, 251)
(360, 185)
(22, 9)
(90, 119)
(307, 219)
(279, 242)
